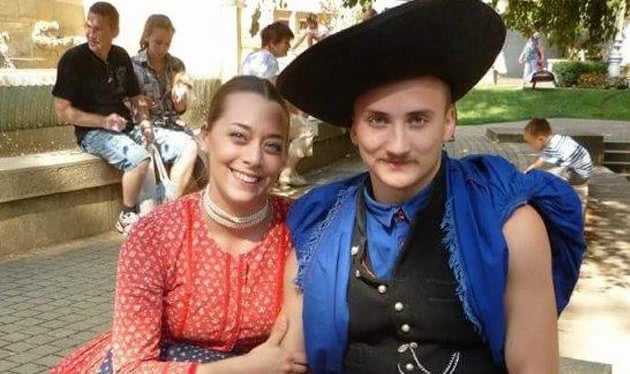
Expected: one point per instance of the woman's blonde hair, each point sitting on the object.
(155, 21)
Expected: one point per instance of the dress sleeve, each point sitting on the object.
(138, 306)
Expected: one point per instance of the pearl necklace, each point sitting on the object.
(233, 222)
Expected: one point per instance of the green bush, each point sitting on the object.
(568, 72)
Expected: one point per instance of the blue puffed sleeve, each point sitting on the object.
(556, 202)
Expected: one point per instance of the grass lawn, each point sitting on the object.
(491, 105)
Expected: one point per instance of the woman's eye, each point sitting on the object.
(275, 148)
(238, 136)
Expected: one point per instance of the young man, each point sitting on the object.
(94, 80)
(276, 41)
(572, 161)
(424, 263)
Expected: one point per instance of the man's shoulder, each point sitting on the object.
(119, 53)
(76, 52)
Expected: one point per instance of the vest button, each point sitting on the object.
(382, 289)
(399, 307)
(405, 328)
(409, 367)
(354, 250)
(357, 274)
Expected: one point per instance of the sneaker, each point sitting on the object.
(126, 222)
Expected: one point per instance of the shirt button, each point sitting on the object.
(405, 328)
(399, 307)
(354, 250)
(409, 366)
(382, 289)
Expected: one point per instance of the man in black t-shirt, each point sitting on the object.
(94, 80)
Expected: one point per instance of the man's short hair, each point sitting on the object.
(538, 127)
(107, 10)
(275, 33)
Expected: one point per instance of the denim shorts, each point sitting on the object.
(125, 151)
(117, 148)
(171, 143)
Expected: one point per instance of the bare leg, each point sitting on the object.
(132, 182)
(182, 170)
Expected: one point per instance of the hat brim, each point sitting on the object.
(454, 40)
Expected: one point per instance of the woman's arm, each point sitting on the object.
(139, 301)
(531, 344)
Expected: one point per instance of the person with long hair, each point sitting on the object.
(201, 280)
(160, 76)
(424, 263)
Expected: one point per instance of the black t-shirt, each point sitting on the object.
(96, 86)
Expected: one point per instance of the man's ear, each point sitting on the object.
(450, 122)
(353, 134)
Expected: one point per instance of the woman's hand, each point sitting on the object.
(270, 358)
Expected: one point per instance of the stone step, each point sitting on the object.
(618, 166)
(617, 145)
(617, 155)
(592, 141)
(573, 366)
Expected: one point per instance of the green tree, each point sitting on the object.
(569, 25)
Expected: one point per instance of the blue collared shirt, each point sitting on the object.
(387, 227)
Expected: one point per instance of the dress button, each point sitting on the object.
(382, 289)
(405, 328)
(354, 250)
(409, 366)
(399, 307)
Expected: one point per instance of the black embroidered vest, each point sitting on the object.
(414, 323)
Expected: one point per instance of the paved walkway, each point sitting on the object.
(54, 300)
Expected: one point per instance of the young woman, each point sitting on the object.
(157, 71)
(424, 264)
(201, 279)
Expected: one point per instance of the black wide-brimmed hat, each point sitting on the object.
(454, 40)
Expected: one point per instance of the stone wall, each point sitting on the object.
(17, 18)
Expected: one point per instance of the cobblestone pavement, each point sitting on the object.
(55, 299)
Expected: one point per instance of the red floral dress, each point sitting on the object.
(174, 283)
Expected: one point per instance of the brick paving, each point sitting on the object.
(55, 299)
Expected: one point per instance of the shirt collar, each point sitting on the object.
(143, 58)
(386, 213)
